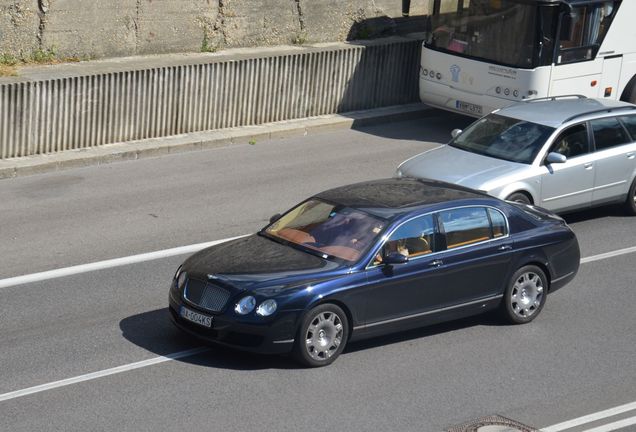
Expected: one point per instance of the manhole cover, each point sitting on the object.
(494, 423)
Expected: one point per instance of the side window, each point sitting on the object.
(498, 222)
(608, 132)
(572, 142)
(588, 26)
(630, 124)
(412, 239)
(464, 226)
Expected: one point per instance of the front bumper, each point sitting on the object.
(274, 335)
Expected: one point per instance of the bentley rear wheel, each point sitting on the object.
(525, 295)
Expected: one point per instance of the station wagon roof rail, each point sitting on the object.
(552, 98)
(603, 110)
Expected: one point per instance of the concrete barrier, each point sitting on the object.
(41, 116)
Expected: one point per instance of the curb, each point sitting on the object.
(197, 141)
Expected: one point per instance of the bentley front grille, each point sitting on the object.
(206, 295)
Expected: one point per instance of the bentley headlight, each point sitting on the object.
(245, 305)
(267, 308)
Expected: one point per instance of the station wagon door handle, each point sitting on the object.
(630, 155)
(588, 165)
(504, 248)
(436, 263)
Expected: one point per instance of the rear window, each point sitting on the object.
(608, 133)
(465, 226)
(630, 123)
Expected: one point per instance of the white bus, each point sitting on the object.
(480, 55)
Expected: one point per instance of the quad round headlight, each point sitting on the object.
(245, 305)
(267, 308)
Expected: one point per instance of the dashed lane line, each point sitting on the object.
(600, 415)
(116, 262)
(166, 253)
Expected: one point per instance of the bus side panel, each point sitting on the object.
(577, 78)
(621, 36)
(627, 73)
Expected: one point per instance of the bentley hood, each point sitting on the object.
(255, 262)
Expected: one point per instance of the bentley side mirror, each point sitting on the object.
(554, 157)
(395, 258)
(455, 133)
(274, 218)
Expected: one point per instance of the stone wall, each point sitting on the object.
(111, 28)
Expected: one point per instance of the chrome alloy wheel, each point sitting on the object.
(324, 335)
(527, 294)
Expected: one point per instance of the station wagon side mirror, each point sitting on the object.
(455, 133)
(395, 258)
(274, 218)
(554, 157)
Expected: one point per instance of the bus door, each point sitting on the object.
(579, 67)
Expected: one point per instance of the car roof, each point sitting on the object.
(554, 112)
(391, 197)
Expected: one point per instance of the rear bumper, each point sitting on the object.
(274, 336)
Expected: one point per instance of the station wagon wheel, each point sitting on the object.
(322, 336)
(630, 202)
(519, 197)
(525, 295)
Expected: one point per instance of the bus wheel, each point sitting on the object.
(629, 94)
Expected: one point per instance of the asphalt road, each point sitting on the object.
(576, 358)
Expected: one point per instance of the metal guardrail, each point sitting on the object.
(47, 116)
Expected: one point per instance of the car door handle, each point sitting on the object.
(504, 247)
(631, 155)
(588, 165)
(436, 263)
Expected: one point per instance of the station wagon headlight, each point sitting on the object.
(245, 305)
(267, 308)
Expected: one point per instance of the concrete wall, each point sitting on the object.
(110, 28)
(99, 104)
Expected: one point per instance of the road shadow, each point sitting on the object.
(154, 332)
(614, 211)
(434, 126)
(490, 319)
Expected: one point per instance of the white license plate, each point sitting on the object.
(195, 317)
(468, 107)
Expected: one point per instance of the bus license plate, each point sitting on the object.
(195, 317)
(468, 107)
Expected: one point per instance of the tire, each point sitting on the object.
(525, 295)
(519, 197)
(322, 336)
(630, 201)
(629, 94)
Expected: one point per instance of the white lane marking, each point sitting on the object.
(116, 262)
(156, 255)
(102, 373)
(614, 426)
(590, 418)
(608, 255)
(166, 253)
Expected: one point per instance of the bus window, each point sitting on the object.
(588, 26)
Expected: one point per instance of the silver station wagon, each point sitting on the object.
(562, 153)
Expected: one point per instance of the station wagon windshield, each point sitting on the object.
(332, 230)
(504, 138)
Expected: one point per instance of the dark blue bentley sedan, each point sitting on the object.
(372, 258)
